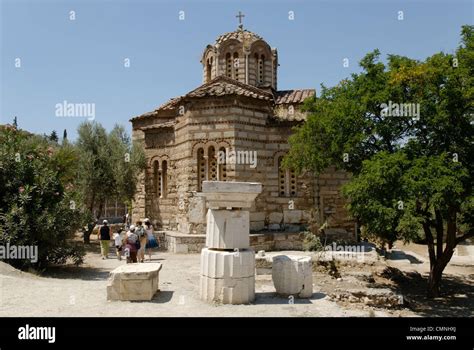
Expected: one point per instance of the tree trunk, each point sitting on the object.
(434, 280)
(90, 225)
(88, 232)
(436, 272)
(439, 263)
(101, 209)
(87, 237)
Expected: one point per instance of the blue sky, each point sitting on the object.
(82, 61)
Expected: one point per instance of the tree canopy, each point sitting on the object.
(405, 130)
(39, 205)
(49, 190)
(109, 165)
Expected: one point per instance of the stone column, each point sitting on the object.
(228, 263)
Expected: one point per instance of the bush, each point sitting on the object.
(39, 205)
(311, 242)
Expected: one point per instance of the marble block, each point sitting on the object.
(134, 282)
(293, 275)
(227, 229)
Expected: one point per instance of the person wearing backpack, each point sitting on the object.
(140, 232)
(131, 241)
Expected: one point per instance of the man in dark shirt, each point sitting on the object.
(104, 237)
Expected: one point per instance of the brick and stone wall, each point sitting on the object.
(340, 226)
(182, 243)
(236, 124)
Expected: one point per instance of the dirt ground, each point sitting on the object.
(81, 291)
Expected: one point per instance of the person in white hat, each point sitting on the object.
(131, 248)
(104, 237)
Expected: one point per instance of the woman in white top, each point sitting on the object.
(151, 240)
(118, 243)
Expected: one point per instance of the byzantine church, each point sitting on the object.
(237, 113)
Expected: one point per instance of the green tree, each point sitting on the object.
(54, 136)
(127, 159)
(39, 206)
(411, 172)
(108, 168)
(15, 122)
(95, 176)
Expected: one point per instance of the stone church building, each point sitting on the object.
(233, 127)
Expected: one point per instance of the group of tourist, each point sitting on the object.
(134, 244)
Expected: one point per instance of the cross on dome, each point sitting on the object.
(240, 16)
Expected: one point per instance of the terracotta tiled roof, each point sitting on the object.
(219, 86)
(170, 104)
(167, 106)
(293, 96)
(239, 35)
(223, 85)
(169, 124)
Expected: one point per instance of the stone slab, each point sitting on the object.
(231, 187)
(257, 226)
(292, 216)
(134, 282)
(275, 218)
(197, 210)
(229, 194)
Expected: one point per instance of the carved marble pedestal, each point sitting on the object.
(227, 264)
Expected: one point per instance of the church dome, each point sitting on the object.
(243, 56)
(242, 35)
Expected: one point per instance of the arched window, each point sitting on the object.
(222, 168)
(209, 70)
(212, 164)
(236, 65)
(164, 179)
(228, 61)
(156, 179)
(257, 71)
(261, 69)
(201, 171)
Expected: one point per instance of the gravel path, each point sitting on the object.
(81, 291)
